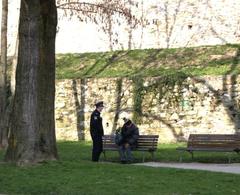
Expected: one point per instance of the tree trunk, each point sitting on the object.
(3, 74)
(32, 130)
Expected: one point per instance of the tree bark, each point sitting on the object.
(3, 74)
(32, 129)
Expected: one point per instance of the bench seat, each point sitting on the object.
(145, 143)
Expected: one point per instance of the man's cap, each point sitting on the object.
(99, 104)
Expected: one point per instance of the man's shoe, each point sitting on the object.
(129, 161)
(123, 161)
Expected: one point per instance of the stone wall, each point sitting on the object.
(168, 23)
(171, 110)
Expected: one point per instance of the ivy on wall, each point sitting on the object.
(162, 87)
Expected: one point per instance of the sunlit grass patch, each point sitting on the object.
(74, 173)
(196, 61)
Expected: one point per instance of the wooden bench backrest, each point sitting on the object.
(108, 142)
(228, 141)
(147, 142)
(144, 142)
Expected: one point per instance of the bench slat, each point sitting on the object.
(214, 144)
(139, 140)
(213, 149)
(146, 145)
(216, 141)
(150, 145)
(135, 149)
(144, 137)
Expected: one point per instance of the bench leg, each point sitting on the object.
(152, 154)
(180, 157)
(238, 153)
(229, 157)
(191, 154)
(143, 157)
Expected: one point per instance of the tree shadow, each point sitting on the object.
(158, 90)
(228, 95)
(166, 18)
(117, 55)
(93, 66)
(119, 97)
(149, 61)
(80, 106)
(212, 27)
(224, 41)
(121, 103)
(169, 29)
(165, 88)
(165, 122)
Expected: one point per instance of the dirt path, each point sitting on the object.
(226, 168)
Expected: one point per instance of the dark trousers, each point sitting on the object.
(97, 148)
(125, 153)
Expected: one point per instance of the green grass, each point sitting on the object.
(74, 173)
(196, 61)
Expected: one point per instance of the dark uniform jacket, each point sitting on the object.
(130, 134)
(96, 128)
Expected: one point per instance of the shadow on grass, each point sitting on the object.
(81, 151)
(78, 151)
(74, 173)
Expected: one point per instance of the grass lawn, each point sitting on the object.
(74, 173)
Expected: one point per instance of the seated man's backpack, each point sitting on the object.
(118, 136)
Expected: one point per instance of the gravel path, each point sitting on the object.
(226, 168)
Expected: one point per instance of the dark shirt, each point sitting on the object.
(96, 127)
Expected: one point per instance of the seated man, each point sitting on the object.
(129, 136)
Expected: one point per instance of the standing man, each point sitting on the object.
(96, 130)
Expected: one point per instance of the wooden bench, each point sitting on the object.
(212, 143)
(145, 143)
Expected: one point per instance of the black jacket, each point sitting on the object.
(130, 134)
(96, 128)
